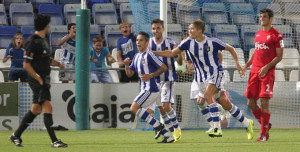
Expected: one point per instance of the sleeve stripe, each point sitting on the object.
(155, 58)
(219, 41)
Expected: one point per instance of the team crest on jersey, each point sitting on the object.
(208, 48)
(44, 52)
(143, 61)
(268, 37)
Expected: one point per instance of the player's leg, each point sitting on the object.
(210, 92)
(166, 119)
(143, 101)
(236, 113)
(205, 112)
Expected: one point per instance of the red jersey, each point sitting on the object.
(266, 43)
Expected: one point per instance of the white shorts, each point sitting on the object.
(166, 92)
(147, 99)
(198, 88)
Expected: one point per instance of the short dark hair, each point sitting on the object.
(70, 25)
(98, 38)
(267, 10)
(41, 21)
(155, 21)
(146, 35)
(199, 24)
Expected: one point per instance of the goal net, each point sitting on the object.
(235, 22)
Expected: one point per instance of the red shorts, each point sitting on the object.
(260, 87)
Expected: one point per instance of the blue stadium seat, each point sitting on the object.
(126, 13)
(90, 3)
(56, 34)
(256, 2)
(228, 3)
(229, 34)
(242, 13)
(277, 11)
(153, 11)
(36, 3)
(27, 31)
(112, 34)
(8, 2)
(208, 30)
(63, 2)
(6, 35)
(70, 12)
(175, 32)
(119, 2)
(94, 30)
(214, 13)
(104, 14)
(3, 19)
(292, 12)
(298, 36)
(287, 33)
(55, 11)
(200, 3)
(186, 14)
(248, 37)
(21, 14)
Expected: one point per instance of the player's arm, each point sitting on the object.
(119, 58)
(235, 58)
(160, 70)
(249, 62)
(56, 63)
(128, 71)
(264, 70)
(28, 67)
(64, 39)
(168, 53)
(220, 56)
(110, 58)
(6, 56)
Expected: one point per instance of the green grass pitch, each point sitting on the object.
(115, 140)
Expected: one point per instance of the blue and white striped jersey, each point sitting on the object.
(146, 63)
(166, 44)
(68, 55)
(204, 55)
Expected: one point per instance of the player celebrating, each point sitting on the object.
(268, 52)
(147, 65)
(203, 52)
(37, 64)
(166, 79)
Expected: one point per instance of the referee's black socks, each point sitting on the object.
(48, 123)
(27, 120)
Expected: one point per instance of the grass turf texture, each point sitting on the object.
(114, 140)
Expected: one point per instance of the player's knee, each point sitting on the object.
(133, 108)
(200, 101)
(167, 107)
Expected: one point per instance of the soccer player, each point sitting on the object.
(203, 52)
(224, 104)
(147, 65)
(126, 47)
(37, 64)
(68, 43)
(268, 52)
(166, 80)
(15, 52)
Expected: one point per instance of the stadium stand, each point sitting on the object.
(1, 77)
(56, 34)
(37, 3)
(6, 35)
(54, 78)
(3, 18)
(114, 54)
(237, 78)
(112, 34)
(55, 11)
(201, 2)
(126, 13)
(228, 61)
(27, 31)
(104, 14)
(227, 76)
(290, 58)
(292, 11)
(277, 11)
(7, 63)
(208, 30)
(191, 12)
(248, 37)
(242, 13)
(229, 34)
(70, 12)
(175, 32)
(21, 14)
(298, 35)
(8, 2)
(94, 30)
(287, 33)
(154, 7)
(294, 75)
(63, 2)
(279, 75)
(214, 13)
(90, 3)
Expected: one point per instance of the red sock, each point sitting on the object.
(257, 114)
(265, 119)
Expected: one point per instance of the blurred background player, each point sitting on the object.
(98, 56)
(167, 79)
(126, 47)
(15, 53)
(268, 52)
(37, 63)
(148, 66)
(68, 44)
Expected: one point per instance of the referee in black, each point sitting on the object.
(37, 63)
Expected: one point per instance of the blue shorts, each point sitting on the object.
(14, 76)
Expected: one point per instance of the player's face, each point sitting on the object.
(265, 19)
(157, 30)
(141, 43)
(98, 46)
(193, 31)
(19, 40)
(73, 29)
(125, 30)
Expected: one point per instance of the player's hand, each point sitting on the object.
(61, 65)
(263, 71)
(94, 60)
(146, 77)
(121, 64)
(39, 79)
(9, 56)
(240, 70)
(127, 61)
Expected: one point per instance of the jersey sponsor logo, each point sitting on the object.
(281, 43)
(257, 35)
(143, 61)
(208, 48)
(261, 46)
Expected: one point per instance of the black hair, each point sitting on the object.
(155, 21)
(41, 21)
(70, 25)
(267, 10)
(146, 35)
